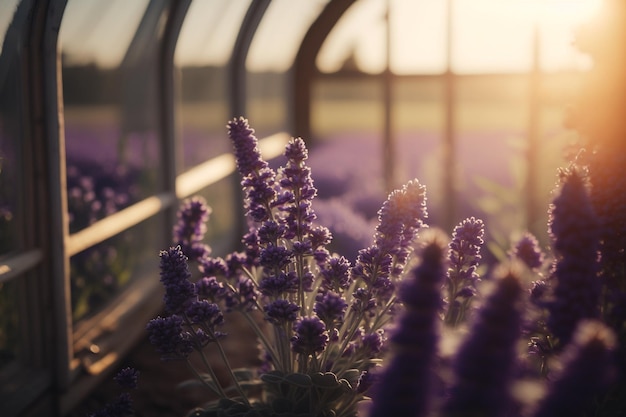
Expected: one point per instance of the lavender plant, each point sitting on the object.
(325, 325)
(324, 319)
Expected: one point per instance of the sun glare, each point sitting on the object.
(487, 36)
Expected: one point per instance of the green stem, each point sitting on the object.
(216, 389)
(266, 343)
(230, 371)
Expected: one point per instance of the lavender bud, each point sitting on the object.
(310, 336)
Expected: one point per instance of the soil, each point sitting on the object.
(160, 393)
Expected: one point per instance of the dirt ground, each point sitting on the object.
(159, 393)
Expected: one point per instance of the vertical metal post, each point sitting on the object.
(449, 151)
(168, 105)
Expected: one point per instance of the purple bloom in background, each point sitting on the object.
(281, 311)
(191, 228)
(175, 275)
(588, 363)
(166, 335)
(351, 231)
(528, 251)
(485, 362)
(127, 378)
(310, 336)
(574, 229)
(404, 387)
(464, 256)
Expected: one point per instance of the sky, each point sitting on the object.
(487, 35)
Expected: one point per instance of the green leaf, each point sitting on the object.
(326, 380)
(299, 380)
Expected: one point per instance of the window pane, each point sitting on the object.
(221, 197)
(11, 119)
(270, 58)
(110, 97)
(202, 53)
(9, 323)
(101, 272)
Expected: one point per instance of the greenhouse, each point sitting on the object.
(312, 208)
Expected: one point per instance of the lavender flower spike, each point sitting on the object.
(404, 387)
(587, 371)
(400, 217)
(464, 255)
(574, 228)
(175, 275)
(258, 180)
(191, 227)
(245, 143)
(527, 250)
(485, 362)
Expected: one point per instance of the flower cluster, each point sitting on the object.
(330, 323)
(326, 317)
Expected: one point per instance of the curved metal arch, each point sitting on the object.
(304, 65)
(237, 63)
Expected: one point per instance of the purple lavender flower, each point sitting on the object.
(330, 307)
(281, 311)
(400, 217)
(485, 362)
(310, 336)
(122, 406)
(372, 343)
(258, 180)
(244, 296)
(127, 378)
(213, 267)
(335, 274)
(277, 285)
(270, 232)
(574, 229)
(404, 385)
(175, 275)
(299, 190)
(210, 288)
(191, 227)
(275, 257)
(167, 336)
(206, 313)
(587, 371)
(245, 143)
(464, 256)
(528, 251)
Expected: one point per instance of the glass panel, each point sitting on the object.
(110, 68)
(346, 161)
(271, 55)
(357, 41)
(202, 53)
(223, 220)
(418, 121)
(9, 323)
(11, 133)
(101, 272)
